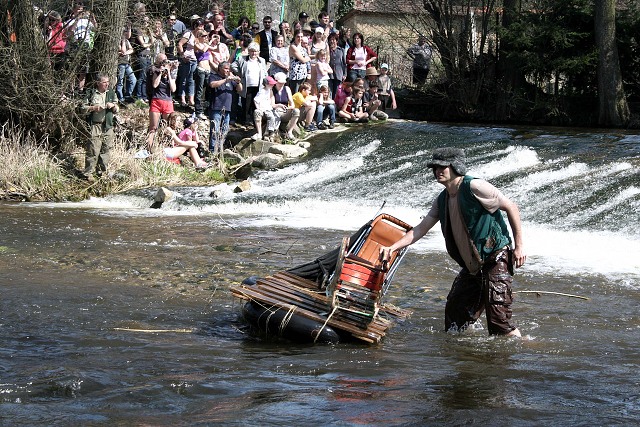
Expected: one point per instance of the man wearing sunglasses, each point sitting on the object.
(266, 38)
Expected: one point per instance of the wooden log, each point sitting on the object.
(362, 334)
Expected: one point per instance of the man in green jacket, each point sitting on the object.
(100, 106)
(477, 238)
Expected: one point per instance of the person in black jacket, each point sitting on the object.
(266, 38)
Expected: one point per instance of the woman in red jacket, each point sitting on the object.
(359, 57)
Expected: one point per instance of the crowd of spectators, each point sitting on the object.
(306, 73)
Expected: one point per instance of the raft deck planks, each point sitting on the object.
(302, 296)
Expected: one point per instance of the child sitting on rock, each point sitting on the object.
(187, 140)
(265, 103)
(353, 108)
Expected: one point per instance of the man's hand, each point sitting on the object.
(519, 257)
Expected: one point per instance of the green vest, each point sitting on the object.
(487, 231)
(106, 117)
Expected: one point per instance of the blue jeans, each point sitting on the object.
(218, 128)
(353, 74)
(201, 79)
(320, 109)
(144, 62)
(186, 84)
(125, 70)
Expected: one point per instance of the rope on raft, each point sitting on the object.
(325, 324)
(551, 293)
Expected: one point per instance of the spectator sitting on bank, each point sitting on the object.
(421, 55)
(265, 103)
(343, 92)
(306, 103)
(284, 107)
(359, 56)
(279, 57)
(125, 71)
(372, 102)
(353, 108)
(100, 106)
(325, 103)
(385, 89)
(161, 84)
(186, 141)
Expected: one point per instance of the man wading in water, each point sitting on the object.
(477, 239)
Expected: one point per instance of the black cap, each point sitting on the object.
(449, 156)
(303, 15)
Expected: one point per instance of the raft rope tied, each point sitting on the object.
(287, 319)
(325, 323)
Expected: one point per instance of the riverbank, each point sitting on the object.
(30, 171)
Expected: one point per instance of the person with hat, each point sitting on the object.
(284, 106)
(385, 90)
(303, 17)
(265, 102)
(477, 238)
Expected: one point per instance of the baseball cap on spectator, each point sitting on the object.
(302, 15)
(319, 30)
(280, 77)
(385, 65)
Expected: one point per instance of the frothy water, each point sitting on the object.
(579, 208)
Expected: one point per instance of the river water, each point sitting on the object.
(112, 313)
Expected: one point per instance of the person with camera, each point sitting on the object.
(223, 85)
(160, 83)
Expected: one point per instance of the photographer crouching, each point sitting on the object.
(161, 82)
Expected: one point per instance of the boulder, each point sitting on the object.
(242, 187)
(288, 151)
(304, 144)
(233, 157)
(268, 161)
(243, 172)
(162, 195)
(248, 147)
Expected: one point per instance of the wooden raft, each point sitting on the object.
(302, 297)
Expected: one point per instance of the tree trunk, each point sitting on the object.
(509, 77)
(111, 17)
(613, 107)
